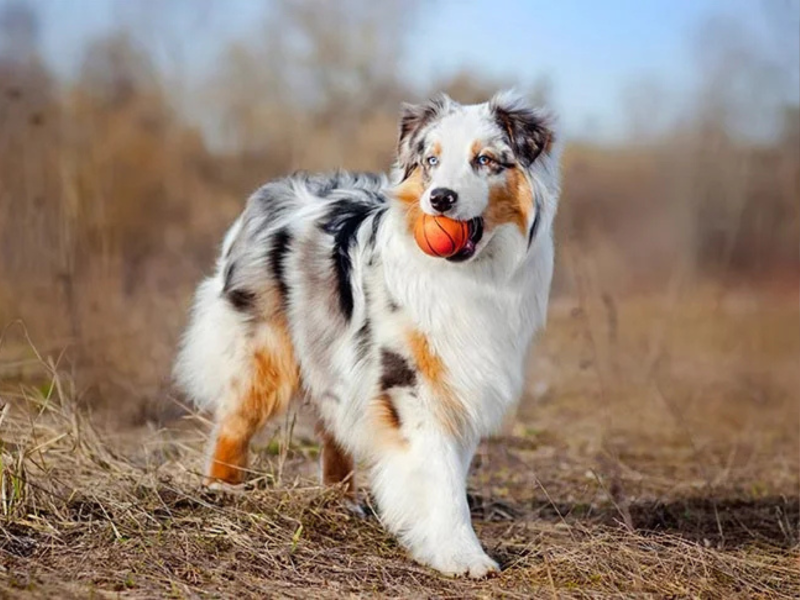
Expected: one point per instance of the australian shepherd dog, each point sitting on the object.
(321, 291)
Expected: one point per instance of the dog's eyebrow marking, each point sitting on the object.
(499, 161)
(475, 149)
(396, 372)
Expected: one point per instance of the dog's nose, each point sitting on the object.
(443, 199)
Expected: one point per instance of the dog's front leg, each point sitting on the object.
(420, 487)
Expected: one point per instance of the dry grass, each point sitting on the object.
(614, 481)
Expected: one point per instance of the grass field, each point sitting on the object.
(656, 453)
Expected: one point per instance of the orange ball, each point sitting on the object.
(440, 236)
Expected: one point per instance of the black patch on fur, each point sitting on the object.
(536, 219)
(395, 371)
(525, 132)
(377, 217)
(241, 299)
(281, 244)
(364, 333)
(343, 222)
(376, 224)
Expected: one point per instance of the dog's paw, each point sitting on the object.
(355, 508)
(483, 567)
(216, 485)
(475, 566)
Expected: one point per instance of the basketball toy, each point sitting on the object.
(440, 236)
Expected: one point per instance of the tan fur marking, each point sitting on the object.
(337, 463)
(437, 149)
(229, 460)
(449, 410)
(387, 421)
(411, 188)
(510, 203)
(387, 413)
(274, 378)
(428, 363)
(409, 192)
(475, 149)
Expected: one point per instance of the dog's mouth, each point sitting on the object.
(475, 234)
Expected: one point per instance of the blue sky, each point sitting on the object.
(590, 50)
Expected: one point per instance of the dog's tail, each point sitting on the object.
(213, 349)
(231, 357)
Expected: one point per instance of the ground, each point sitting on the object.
(656, 453)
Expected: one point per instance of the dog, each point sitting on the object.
(320, 290)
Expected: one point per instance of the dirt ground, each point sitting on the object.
(656, 453)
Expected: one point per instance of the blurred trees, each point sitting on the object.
(28, 117)
(745, 202)
(713, 189)
(317, 82)
(116, 184)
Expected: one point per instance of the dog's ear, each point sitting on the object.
(413, 119)
(529, 130)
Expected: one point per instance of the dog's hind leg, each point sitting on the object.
(336, 463)
(263, 390)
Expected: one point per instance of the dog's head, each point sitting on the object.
(483, 163)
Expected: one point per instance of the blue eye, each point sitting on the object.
(483, 160)
(432, 161)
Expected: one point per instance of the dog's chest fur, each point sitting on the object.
(481, 325)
